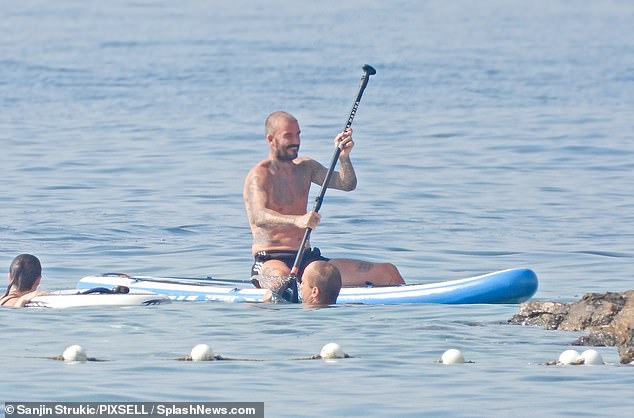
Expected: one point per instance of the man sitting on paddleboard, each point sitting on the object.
(25, 274)
(276, 196)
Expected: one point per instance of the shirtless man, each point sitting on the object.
(276, 196)
(25, 274)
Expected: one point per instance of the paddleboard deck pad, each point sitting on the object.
(506, 286)
(74, 299)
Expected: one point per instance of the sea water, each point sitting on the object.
(495, 134)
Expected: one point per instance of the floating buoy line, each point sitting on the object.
(332, 352)
(589, 357)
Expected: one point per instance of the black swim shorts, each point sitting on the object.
(288, 257)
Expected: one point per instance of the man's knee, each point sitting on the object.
(274, 268)
(393, 274)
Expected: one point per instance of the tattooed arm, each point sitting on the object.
(345, 179)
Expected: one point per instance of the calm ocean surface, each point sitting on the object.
(495, 134)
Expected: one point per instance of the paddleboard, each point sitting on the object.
(506, 286)
(74, 299)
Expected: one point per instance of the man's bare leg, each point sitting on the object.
(361, 273)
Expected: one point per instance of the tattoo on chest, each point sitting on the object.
(282, 195)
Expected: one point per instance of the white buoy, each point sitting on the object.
(592, 357)
(332, 351)
(569, 357)
(74, 353)
(452, 356)
(202, 352)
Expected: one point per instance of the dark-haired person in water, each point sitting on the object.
(25, 274)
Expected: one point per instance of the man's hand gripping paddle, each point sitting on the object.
(367, 72)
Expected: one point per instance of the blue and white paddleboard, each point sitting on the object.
(506, 286)
(74, 299)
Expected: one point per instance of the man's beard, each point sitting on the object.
(288, 154)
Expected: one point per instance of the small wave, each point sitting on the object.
(605, 254)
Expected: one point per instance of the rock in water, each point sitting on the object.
(609, 317)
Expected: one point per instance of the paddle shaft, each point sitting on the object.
(367, 72)
(193, 281)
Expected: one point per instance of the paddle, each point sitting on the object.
(367, 72)
(193, 281)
